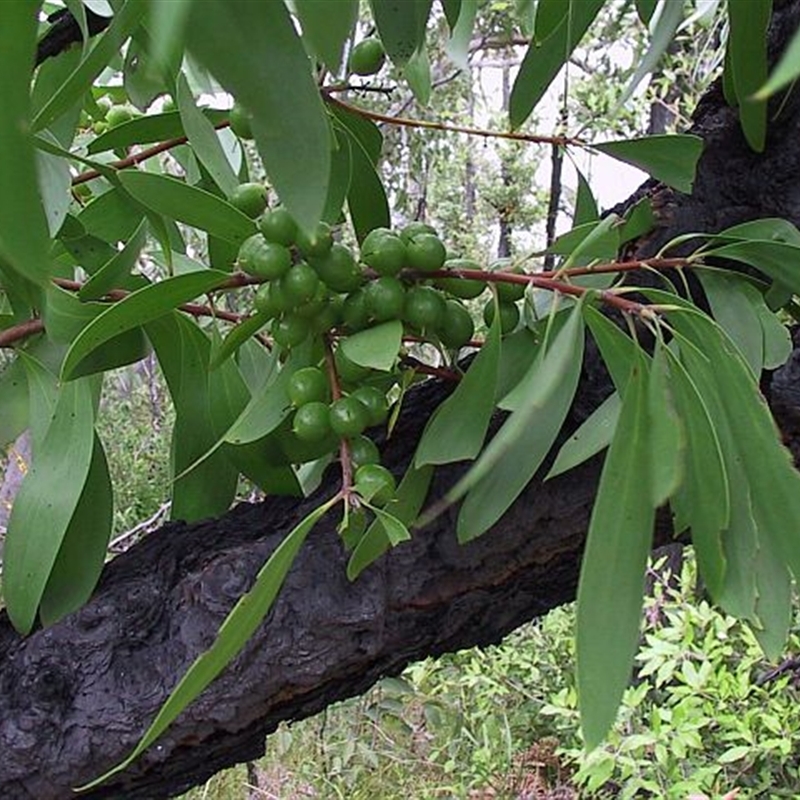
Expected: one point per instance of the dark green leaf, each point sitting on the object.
(418, 74)
(616, 347)
(264, 65)
(111, 217)
(83, 549)
(452, 10)
(196, 207)
(671, 159)
(401, 26)
(543, 60)
(645, 9)
(112, 275)
(13, 402)
(612, 571)
(375, 347)
(238, 335)
(585, 205)
(326, 27)
(23, 229)
(137, 309)
(46, 502)
(638, 220)
(457, 428)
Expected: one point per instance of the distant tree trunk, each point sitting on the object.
(75, 698)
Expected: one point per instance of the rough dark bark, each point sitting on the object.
(75, 698)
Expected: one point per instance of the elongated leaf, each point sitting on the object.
(23, 229)
(612, 571)
(195, 207)
(787, 70)
(457, 429)
(112, 275)
(747, 49)
(105, 47)
(671, 159)
(326, 27)
(375, 347)
(543, 60)
(777, 337)
(585, 205)
(240, 624)
(518, 449)
(646, 9)
(203, 139)
(341, 175)
(13, 402)
(616, 347)
(593, 436)
(461, 32)
(238, 335)
(46, 502)
(83, 549)
(266, 68)
(773, 258)
(167, 29)
(404, 506)
(55, 181)
(137, 309)
(208, 488)
(401, 26)
(111, 217)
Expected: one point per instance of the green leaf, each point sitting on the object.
(237, 336)
(264, 65)
(341, 175)
(585, 205)
(671, 158)
(638, 220)
(196, 207)
(376, 347)
(203, 139)
(83, 549)
(401, 26)
(137, 309)
(733, 300)
(518, 449)
(544, 59)
(13, 402)
(46, 502)
(167, 28)
(97, 59)
(148, 129)
(601, 243)
(777, 337)
(613, 567)
(326, 27)
(461, 31)
(452, 10)
(111, 217)
(618, 350)
(142, 77)
(785, 72)
(418, 74)
(23, 228)
(112, 275)
(592, 437)
(55, 182)
(404, 506)
(240, 624)
(457, 428)
(747, 50)
(203, 486)
(646, 9)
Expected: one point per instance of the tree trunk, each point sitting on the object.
(75, 698)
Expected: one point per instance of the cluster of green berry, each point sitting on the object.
(316, 289)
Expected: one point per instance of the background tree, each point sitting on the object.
(683, 419)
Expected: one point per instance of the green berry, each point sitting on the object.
(264, 259)
(239, 120)
(290, 330)
(307, 385)
(375, 484)
(338, 269)
(509, 316)
(363, 451)
(415, 229)
(347, 370)
(374, 401)
(355, 311)
(461, 287)
(278, 226)
(384, 251)
(316, 245)
(424, 308)
(425, 252)
(367, 57)
(348, 417)
(385, 298)
(300, 283)
(457, 326)
(250, 199)
(312, 422)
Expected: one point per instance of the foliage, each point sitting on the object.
(125, 254)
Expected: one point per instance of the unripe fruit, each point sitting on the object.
(271, 301)
(508, 292)
(347, 370)
(290, 330)
(355, 311)
(316, 245)
(278, 226)
(509, 316)
(375, 484)
(300, 283)
(385, 298)
(338, 269)
(239, 120)
(250, 199)
(264, 259)
(329, 317)
(424, 308)
(374, 401)
(425, 252)
(384, 251)
(461, 287)
(117, 115)
(312, 422)
(457, 326)
(348, 417)
(367, 57)
(363, 451)
(414, 229)
(307, 385)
